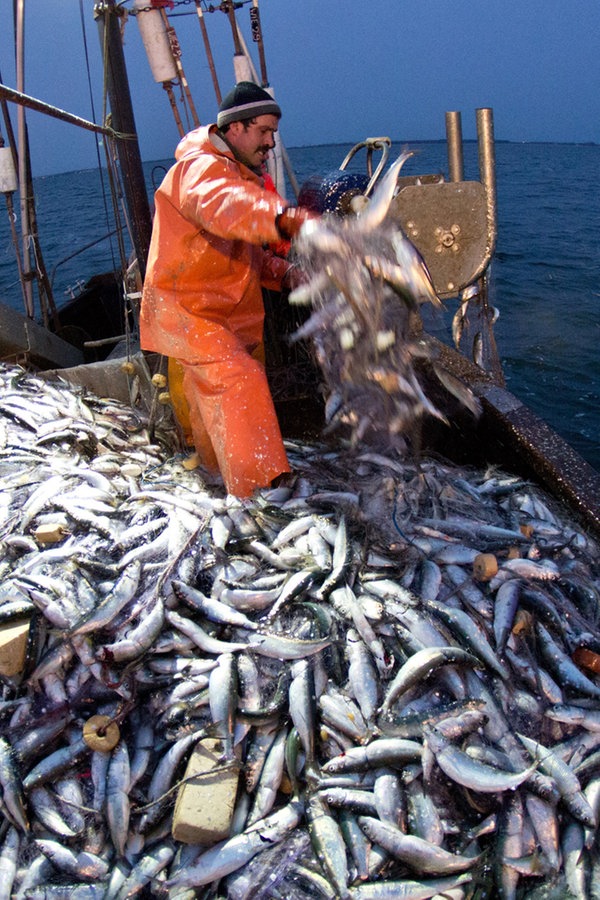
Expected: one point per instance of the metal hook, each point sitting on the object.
(371, 144)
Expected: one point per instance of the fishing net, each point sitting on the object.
(365, 282)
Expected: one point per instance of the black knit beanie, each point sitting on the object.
(246, 101)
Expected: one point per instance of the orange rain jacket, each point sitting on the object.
(202, 304)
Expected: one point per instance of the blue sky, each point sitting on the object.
(341, 71)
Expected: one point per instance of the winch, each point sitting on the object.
(451, 223)
(335, 190)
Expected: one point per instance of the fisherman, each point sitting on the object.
(202, 303)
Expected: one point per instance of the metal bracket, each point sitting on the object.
(453, 223)
(371, 144)
(447, 223)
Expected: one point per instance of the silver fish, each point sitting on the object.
(480, 777)
(230, 855)
(377, 554)
(419, 854)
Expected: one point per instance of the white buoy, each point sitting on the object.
(156, 42)
(241, 68)
(8, 173)
(275, 163)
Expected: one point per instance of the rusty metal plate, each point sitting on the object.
(447, 223)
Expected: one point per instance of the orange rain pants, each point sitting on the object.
(200, 421)
(202, 305)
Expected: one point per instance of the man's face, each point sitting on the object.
(253, 140)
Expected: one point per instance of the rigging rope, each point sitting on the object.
(93, 109)
(119, 208)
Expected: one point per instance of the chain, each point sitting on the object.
(209, 8)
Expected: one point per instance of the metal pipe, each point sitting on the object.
(487, 169)
(173, 104)
(237, 47)
(83, 249)
(33, 268)
(8, 197)
(23, 150)
(208, 51)
(130, 161)
(10, 134)
(241, 67)
(176, 53)
(55, 112)
(258, 39)
(455, 146)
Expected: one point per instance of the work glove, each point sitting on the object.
(291, 220)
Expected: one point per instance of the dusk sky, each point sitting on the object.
(341, 71)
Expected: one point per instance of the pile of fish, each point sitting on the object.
(397, 657)
(365, 283)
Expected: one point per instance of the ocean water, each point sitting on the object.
(545, 276)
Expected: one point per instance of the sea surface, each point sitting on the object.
(545, 276)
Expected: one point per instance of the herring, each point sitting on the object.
(376, 591)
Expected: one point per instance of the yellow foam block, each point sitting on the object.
(13, 647)
(206, 800)
(50, 533)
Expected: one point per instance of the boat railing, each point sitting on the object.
(80, 250)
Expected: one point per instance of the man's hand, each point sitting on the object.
(291, 221)
(293, 278)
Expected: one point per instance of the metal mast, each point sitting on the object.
(123, 122)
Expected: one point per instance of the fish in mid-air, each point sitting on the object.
(365, 281)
